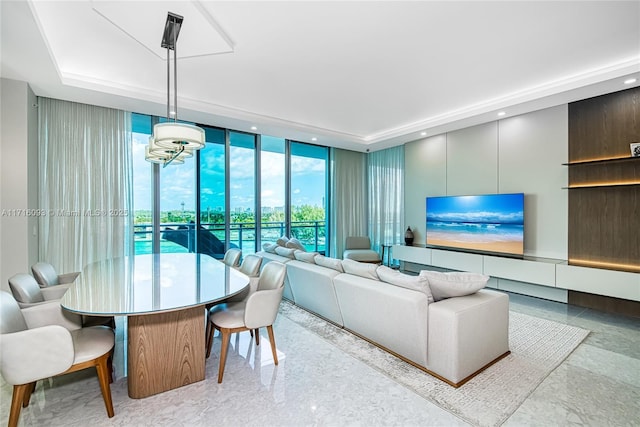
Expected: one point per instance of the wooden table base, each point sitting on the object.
(165, 351)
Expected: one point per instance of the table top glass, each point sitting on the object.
(146, 284)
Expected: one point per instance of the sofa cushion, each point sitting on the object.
(333, 263)
(285, 252)
(360, 269)
(453, 284)
(282, 241)
(270, 247)
(303, 256)
(294, 243)
(416, 283)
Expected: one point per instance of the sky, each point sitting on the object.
(177, 182)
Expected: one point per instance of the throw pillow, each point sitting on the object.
(416, 283)
(282, 241)
(305, 256)
(294, 243)
(361, 269)
(332, 263)
(270, 247)
(285, 252)
(454, 284)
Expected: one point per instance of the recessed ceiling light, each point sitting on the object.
(423, 133)
(314, 139)
(501, 113)
(629, 81)
(254, 128)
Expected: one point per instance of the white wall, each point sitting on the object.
(518, 154)
(18, 179)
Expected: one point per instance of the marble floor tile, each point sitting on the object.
(315, 384)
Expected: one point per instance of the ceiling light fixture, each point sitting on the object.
(501, 113)
(254, 128)
(314, 139)
(172, 141)
(630, 81)
(423, 133)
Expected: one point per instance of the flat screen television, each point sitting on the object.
(492, 223)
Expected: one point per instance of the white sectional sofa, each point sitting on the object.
(452, 339)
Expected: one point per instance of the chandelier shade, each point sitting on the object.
(161, 158)
(172, 135)
(173, 141)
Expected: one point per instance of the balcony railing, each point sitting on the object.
(181, 237)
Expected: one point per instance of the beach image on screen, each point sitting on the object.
(487, 223)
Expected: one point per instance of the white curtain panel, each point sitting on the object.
(385, 170)
(348, 210)
(85, 190)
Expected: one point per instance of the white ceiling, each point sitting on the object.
(358, 75)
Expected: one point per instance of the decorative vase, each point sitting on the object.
(408, 237)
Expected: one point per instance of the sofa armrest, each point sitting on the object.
(467, 333)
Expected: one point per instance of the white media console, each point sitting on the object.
(539, 277)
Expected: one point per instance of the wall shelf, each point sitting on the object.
(602, 161)
(579, 187)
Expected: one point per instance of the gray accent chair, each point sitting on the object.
(260, 310)
(46, 275)
(358, 248)
(43, 341)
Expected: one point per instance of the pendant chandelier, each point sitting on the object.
(172, 141)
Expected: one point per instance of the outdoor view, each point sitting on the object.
(178, 194)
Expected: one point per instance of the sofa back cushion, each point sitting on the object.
(454, 284)
(416, 283)
(361, 269)
(294, 243)
(303, 256)
(329, 263)
(285, 252)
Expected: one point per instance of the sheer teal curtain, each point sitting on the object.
(385, 170)
(85, 183)
(348, 210)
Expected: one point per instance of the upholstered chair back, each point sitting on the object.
(25, 289)
(272, 276)
(251, 265)
(358, 242)
(45, 274)
(232, 257)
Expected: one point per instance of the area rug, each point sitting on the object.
(537, 346)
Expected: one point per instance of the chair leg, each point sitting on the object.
(110, 367)
(257, 336)
(211, 332)
(226, 336)
(28, 393)
(17, 401)
(103, 379)
(272, 340)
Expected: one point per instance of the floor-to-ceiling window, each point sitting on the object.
(309, 195)
(210, 202)
(213, 234)
(272, 189)
(242, 190)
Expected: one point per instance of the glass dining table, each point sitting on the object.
(163, 297)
